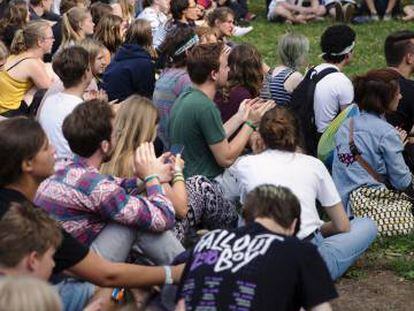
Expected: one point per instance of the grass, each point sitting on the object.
(395, 253)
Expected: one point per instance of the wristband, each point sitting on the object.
(177, 179)
(168, 275)
(251, 125)
(151, 178)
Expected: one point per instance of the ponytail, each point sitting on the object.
(18, 45)
(71, 24)
(28, 37)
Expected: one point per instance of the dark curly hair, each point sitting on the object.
(375, 90)
(334, 40)
(279, 129)
(174, 40)
(246, 69)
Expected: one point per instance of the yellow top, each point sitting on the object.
(12, 91)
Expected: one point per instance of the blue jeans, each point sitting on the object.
(340, 251)
(75, 294)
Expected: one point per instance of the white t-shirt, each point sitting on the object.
(156, 18)
(304, 175)
(332, 92)
(54, 111)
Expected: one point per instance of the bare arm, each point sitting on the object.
(226, 153)
(38, 74)
(339, 221)
(104, 273)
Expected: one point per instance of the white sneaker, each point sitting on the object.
(241, 31)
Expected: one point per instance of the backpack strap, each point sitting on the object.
(357, 154)
(323, 73)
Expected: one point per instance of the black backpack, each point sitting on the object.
(301, 104)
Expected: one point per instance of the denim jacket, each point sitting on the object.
(380, 145)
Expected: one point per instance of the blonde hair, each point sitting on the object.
(28, 37)
(135, 123)
(28, 294)
(108, 31)
(71, 24)
(93, 47)
(128, 10)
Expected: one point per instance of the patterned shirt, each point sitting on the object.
(170, 85)
(84, 201)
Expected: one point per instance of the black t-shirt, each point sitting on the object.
(404, 116)
(253, 268)
(70, 251)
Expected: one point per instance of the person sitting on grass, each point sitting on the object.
(259, 265)
(195, 120)
(97, 208)
(340, 241)
(289, 12)
(72, 65)
(196, 201)
(28, 159)
(281, 81)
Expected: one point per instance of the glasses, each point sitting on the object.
(49, 38)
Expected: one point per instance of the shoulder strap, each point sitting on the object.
(15, 64)
(357, 154)
(322, 74)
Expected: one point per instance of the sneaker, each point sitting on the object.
(374, 17)
(241, 31)
(349, 10)
(361, 19)
(387, 17)
(339, 13)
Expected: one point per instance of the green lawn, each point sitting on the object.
(397, 253)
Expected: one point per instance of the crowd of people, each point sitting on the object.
(146, 158)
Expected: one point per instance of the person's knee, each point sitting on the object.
(367, 227)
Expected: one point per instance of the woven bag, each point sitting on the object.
(391, 210)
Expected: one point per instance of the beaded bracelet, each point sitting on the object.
(151, 178)
(177, 179)
(251, 125)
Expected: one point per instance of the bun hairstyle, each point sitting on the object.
(375, 90)
(279, 129)
(28, 37)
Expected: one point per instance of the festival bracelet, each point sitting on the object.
(150, 178)
(251, 125)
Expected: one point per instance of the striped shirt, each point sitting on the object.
(84, 201)
(277, 87)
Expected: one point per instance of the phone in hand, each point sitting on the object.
(177, 149)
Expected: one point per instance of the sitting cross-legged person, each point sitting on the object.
(197, 202)
(27, 159)
(102, 211)
(278, 161)
(259, 265)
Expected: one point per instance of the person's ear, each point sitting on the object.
(105, 146)
(32, 261)
(214, 75)
(27, 166)
(409, 58)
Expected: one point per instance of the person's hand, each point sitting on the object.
(256, 143)
(403, 135)
(178, 163)
(246, 106)
(93, 94)
(146, 163)
(167, 173)
(257, 111)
